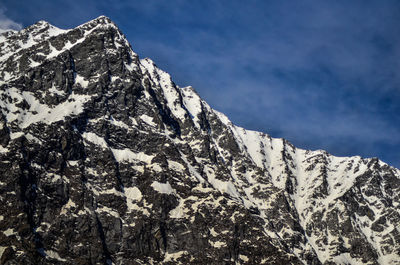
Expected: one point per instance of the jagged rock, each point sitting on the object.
(104, 160)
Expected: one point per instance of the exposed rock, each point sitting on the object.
(104, 160)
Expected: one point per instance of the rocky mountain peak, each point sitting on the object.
(103, 20)
(38, 26)
(105, 160)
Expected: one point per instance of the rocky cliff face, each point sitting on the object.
(104, 160)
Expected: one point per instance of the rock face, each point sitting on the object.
(104, 160)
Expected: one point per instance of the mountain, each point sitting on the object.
(104, 160)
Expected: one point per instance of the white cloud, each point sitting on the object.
(7, 24)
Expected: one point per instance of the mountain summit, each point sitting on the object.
(104, 160)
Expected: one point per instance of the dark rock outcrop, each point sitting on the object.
(104, 160)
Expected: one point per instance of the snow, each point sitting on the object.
(73, 163)
(95, 139)
(112, 191)
(3, 149)
(164, 188)
(34, 38)
(156, 167)
(169, 90)
(126, 155)
(43, 227)
(218, 244)
(192, 103)
(223, 118)
(68, 45)
(33, 63)
(222, 186)
(192, 170)
(212, 232)
(40, 112)
(267, 153)
(171, 257)
(54, 31)
(133, 194)
(134, 122)
(178, 211)
(70, 204)
(132, 206)
(345, 258)
(119, 123)
(252, 141)
(54, 90)
(107, 210)
(2, 249)
(175, 166)
(148, 120)
(54, 52)
(244, 258)
(55, 177)
(54, 255)
(9, 232)
(15, 135)
(7, 76)
(81, 80)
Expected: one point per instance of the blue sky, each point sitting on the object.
(323, 74)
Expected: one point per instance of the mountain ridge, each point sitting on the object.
(118, 122)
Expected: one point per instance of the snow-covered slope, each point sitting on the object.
(105, 160)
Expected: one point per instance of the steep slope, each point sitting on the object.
(105, 160)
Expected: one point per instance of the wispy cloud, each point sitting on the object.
(7, 24)
(324, 74)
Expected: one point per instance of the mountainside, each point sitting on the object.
(104, 160)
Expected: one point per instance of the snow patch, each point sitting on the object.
(40, 112)
(81, 80)
(126, 155)
(95, 139)
(164, 188)
(148, 120)
(54, 255)
(168, 88)
(9, 232)
(171, 257)
(133, 194)
(70, 204)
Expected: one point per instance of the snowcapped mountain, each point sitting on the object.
(104, 160)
